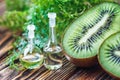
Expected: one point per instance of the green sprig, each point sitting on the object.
(14, 20)
(19, 5)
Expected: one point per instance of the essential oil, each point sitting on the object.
(52, 50)
(31, 57)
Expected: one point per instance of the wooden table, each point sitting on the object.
(67, 72)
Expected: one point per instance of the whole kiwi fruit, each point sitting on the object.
(109, 55)
(84, 36)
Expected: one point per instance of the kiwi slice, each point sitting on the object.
(109, 55)
(84, 36)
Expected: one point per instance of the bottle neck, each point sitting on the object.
(31, 44)
(52, 35)
(30, 41)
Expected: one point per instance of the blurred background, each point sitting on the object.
(15, 15)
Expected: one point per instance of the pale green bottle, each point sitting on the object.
(31, 57)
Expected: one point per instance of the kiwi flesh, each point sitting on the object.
(84, 36)
(109, 55)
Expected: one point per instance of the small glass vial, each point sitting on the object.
(31, 57)
(52, 50)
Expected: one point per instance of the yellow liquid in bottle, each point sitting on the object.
(32, 61)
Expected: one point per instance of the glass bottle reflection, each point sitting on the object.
(52, 50)
(31, 57)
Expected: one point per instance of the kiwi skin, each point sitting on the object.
(86, 62)
(115, 77)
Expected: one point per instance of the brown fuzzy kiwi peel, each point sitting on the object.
(82, 62)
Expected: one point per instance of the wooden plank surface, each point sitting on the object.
(67, 72)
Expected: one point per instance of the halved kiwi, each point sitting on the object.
(109, 55)
(84, 36)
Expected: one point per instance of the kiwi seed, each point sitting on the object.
(84, 36)
(109, 55)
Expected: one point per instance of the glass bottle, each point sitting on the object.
(31, 57)
(52, 50)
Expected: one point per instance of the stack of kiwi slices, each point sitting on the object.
(83, 38)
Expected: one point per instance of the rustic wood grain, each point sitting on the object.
(6, 43)
(67, 72)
